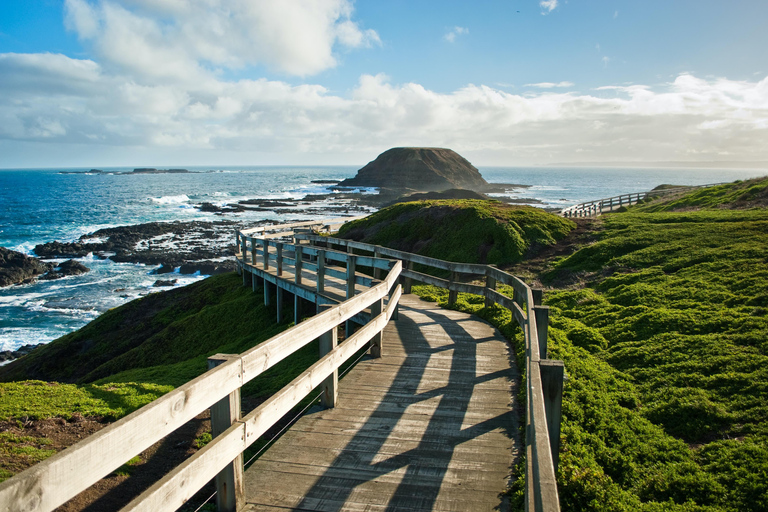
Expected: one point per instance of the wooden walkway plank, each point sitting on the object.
(430, 426)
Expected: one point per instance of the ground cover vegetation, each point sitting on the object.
(466, 230)
(132, 355)
(662, 325)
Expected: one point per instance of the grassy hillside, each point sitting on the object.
(132, 355)
(664, 339)
(470, 230)
(172, 332)
(666, 350)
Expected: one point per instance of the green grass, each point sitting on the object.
(677, 309)
(163, 338)
(134, 354)
(741, 194)
(469, 231)
(38, 400)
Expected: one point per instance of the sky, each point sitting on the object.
(100, 83)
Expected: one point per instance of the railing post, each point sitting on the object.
(265, 245)
(351, 264)
(407, 282)
(552, 377)
(538, 296)
(542, 326)
(320, 271)
(230, 493)
(253, 252)
(279, 300)
(330, 386)
(452, 294)
(299, 263)
(279, 247)
(376, 271)
(490, 284)
(376, 309)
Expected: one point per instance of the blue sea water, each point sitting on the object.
(38, 206)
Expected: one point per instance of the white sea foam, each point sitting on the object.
(178, 199)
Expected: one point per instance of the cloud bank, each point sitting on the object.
(160, 86)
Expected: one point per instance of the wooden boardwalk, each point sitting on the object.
(430, 426)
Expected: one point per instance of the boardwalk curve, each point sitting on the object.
(430, 426)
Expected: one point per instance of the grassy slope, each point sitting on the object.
(665, 406)
(470, 230)
(135, 353)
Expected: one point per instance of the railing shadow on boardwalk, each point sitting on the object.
(427, 463)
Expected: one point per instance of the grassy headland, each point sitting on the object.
(660, 319)
(664, 339)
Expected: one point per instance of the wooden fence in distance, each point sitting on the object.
(600, 206)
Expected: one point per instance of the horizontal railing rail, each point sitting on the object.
(55, 480)
(544, 377)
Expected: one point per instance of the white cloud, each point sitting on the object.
(171, 39)
(451, 35)
(548, 6)
(550, 85)
(55, 101)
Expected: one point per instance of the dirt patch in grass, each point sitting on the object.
(541, 258)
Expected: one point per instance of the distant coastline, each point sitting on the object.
(664, 165)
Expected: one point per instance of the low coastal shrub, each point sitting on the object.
(678, 298)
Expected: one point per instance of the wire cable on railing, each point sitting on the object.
(293, 420)
(205, 502)
(287, 425)
(353, 364)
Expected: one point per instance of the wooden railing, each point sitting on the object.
(600, 206)
(544, 377)
(52, 482)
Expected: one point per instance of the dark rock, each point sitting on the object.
(68, 268)
(66, 250)
(10, 355)
(326, 182)
(16, 268)
(418, 169)
(165, 269)
(230, 208)
(169, 282)
(207, 268)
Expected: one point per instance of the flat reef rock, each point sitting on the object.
(419, 170)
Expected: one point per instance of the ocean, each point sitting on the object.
(38, 206)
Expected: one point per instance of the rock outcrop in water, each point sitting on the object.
(419, 169)
(17, 268)
(68, 268)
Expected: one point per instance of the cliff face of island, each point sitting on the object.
(419, 169)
